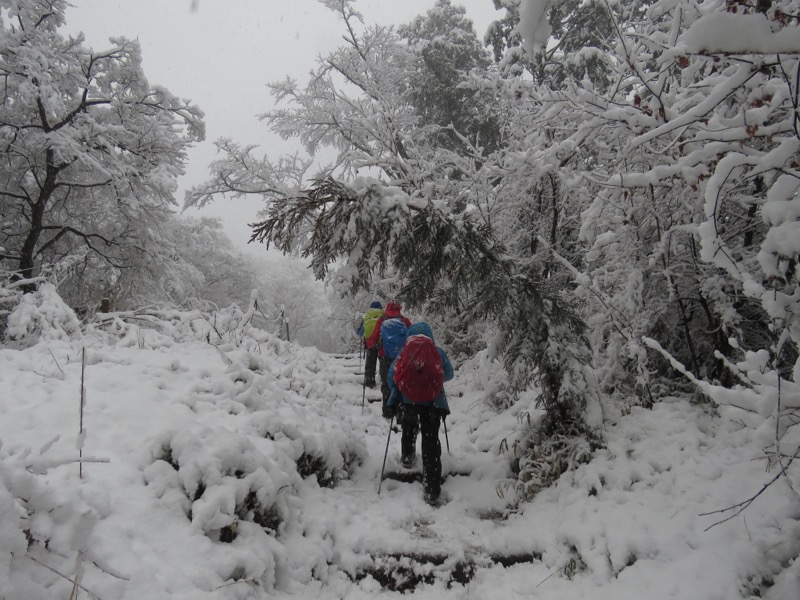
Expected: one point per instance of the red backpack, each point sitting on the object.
(418, 371)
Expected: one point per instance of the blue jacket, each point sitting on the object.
(441, 400)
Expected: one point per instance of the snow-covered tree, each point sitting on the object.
(417, 221)
(688, 166)
(91, 150)
(447, 48)
(228, 275)
(293, 302)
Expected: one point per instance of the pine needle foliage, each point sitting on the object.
(447, 263)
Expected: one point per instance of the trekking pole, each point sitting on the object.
(385, 454)
(446, 439)
(363, 392)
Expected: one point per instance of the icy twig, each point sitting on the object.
(72, 581)
(744, 504)
(224, 585)
(55, 361)
(548, 577)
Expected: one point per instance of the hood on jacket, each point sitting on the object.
(421, 328)
(393, 309)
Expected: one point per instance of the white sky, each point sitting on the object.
(221, 53)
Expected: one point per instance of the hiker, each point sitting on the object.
(389, 335)
(417, 379)
(368, 322)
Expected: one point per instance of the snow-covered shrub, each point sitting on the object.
(325, 450)
(219, 479)
(13, 523)
(764, 400)
(39, 524)
(42, 315)
(540, 448)
(9, 298)
(542, 455)
(153, 328)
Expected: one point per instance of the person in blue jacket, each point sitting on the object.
(425, 417)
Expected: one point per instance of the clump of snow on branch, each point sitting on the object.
(781, 213)
(534, 25)
(735, 33)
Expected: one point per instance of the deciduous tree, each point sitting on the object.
(89, 149)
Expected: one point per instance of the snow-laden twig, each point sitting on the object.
(42, 467)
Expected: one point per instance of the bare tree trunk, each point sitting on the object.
(27, 258)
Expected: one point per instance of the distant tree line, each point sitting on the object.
(90, 153)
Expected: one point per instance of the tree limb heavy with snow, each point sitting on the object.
(689, 229)
(448, 263)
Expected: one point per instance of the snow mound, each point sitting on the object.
(42, 315)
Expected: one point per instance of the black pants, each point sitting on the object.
(416, 418)
(385, 363)
(370, 364)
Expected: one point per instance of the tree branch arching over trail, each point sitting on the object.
(447, 262)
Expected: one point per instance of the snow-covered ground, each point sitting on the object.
(250, 470)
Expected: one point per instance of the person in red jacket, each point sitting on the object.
(388, 346)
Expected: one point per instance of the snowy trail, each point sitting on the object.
(250, 471)
(399, 515)
(395, 537)
(201, 451)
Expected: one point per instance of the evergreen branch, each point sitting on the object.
(451, 262)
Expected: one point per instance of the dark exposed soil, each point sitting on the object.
(405, 572)
(412, 476)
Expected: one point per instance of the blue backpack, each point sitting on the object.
(393, 336)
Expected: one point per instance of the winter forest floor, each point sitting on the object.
(226, 473)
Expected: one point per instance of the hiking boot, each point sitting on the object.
(408, 461)
(431, 499)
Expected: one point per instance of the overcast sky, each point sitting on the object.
(221, 53)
